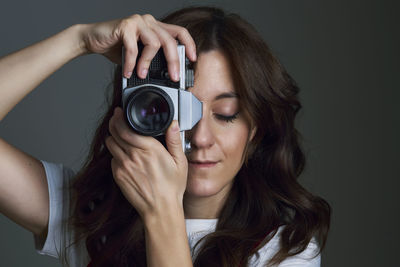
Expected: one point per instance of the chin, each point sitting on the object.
(201, 187)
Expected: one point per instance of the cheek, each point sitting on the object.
(233, 142)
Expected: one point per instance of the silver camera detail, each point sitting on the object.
(151, 104)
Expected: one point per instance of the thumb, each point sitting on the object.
(174, 142)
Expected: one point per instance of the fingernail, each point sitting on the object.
(176, 75)
(175, 126)
(128, 74)
(144, 73)
(194, 56)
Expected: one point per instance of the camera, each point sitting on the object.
(151, 104)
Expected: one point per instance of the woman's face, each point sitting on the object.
(220, 137)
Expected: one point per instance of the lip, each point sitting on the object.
(203, 164)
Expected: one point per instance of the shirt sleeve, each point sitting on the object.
(58, 178)
(310, 257)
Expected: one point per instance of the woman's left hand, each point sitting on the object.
(150, 177)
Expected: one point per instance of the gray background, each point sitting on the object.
(343, 54)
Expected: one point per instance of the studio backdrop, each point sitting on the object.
(344, 56)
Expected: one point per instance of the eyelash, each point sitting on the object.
(227, 118)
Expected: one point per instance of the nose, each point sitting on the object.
(201, 135)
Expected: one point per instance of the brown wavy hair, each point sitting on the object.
(265, 194)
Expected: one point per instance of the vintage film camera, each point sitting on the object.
(151, 104)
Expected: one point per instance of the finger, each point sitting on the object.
(131, 51)
(116, 151)
(128, 185)
(114, 133)
(174, 142)
(183, 35)
(132, 154)
(170, 51)
(122, 169)
(151, 46)
(129, 34)
(126, 134)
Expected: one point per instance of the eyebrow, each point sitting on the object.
(226, 95)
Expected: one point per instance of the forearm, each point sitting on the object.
(166, 240)
(22, 71)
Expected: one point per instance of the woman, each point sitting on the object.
(232, 201)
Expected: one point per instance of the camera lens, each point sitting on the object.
(150, 111)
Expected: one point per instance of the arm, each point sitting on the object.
(22, 71)
(24, 196)
(23, 187)
(153, 180)
(166, 239)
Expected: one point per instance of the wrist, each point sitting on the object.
(165, 235)
(170, 214)
(79, 47)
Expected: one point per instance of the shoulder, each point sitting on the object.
(310, 257)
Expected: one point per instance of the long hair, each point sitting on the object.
(265, 194)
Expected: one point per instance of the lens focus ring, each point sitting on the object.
(149, 111)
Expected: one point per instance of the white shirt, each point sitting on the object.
(59, 235)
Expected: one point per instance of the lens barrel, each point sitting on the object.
(149, 110)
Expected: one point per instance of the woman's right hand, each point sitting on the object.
(106, 38)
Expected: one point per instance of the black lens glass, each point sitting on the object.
(150, 111)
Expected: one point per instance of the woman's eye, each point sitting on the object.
(227, 118)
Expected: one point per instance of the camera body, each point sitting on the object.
(151, 104)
